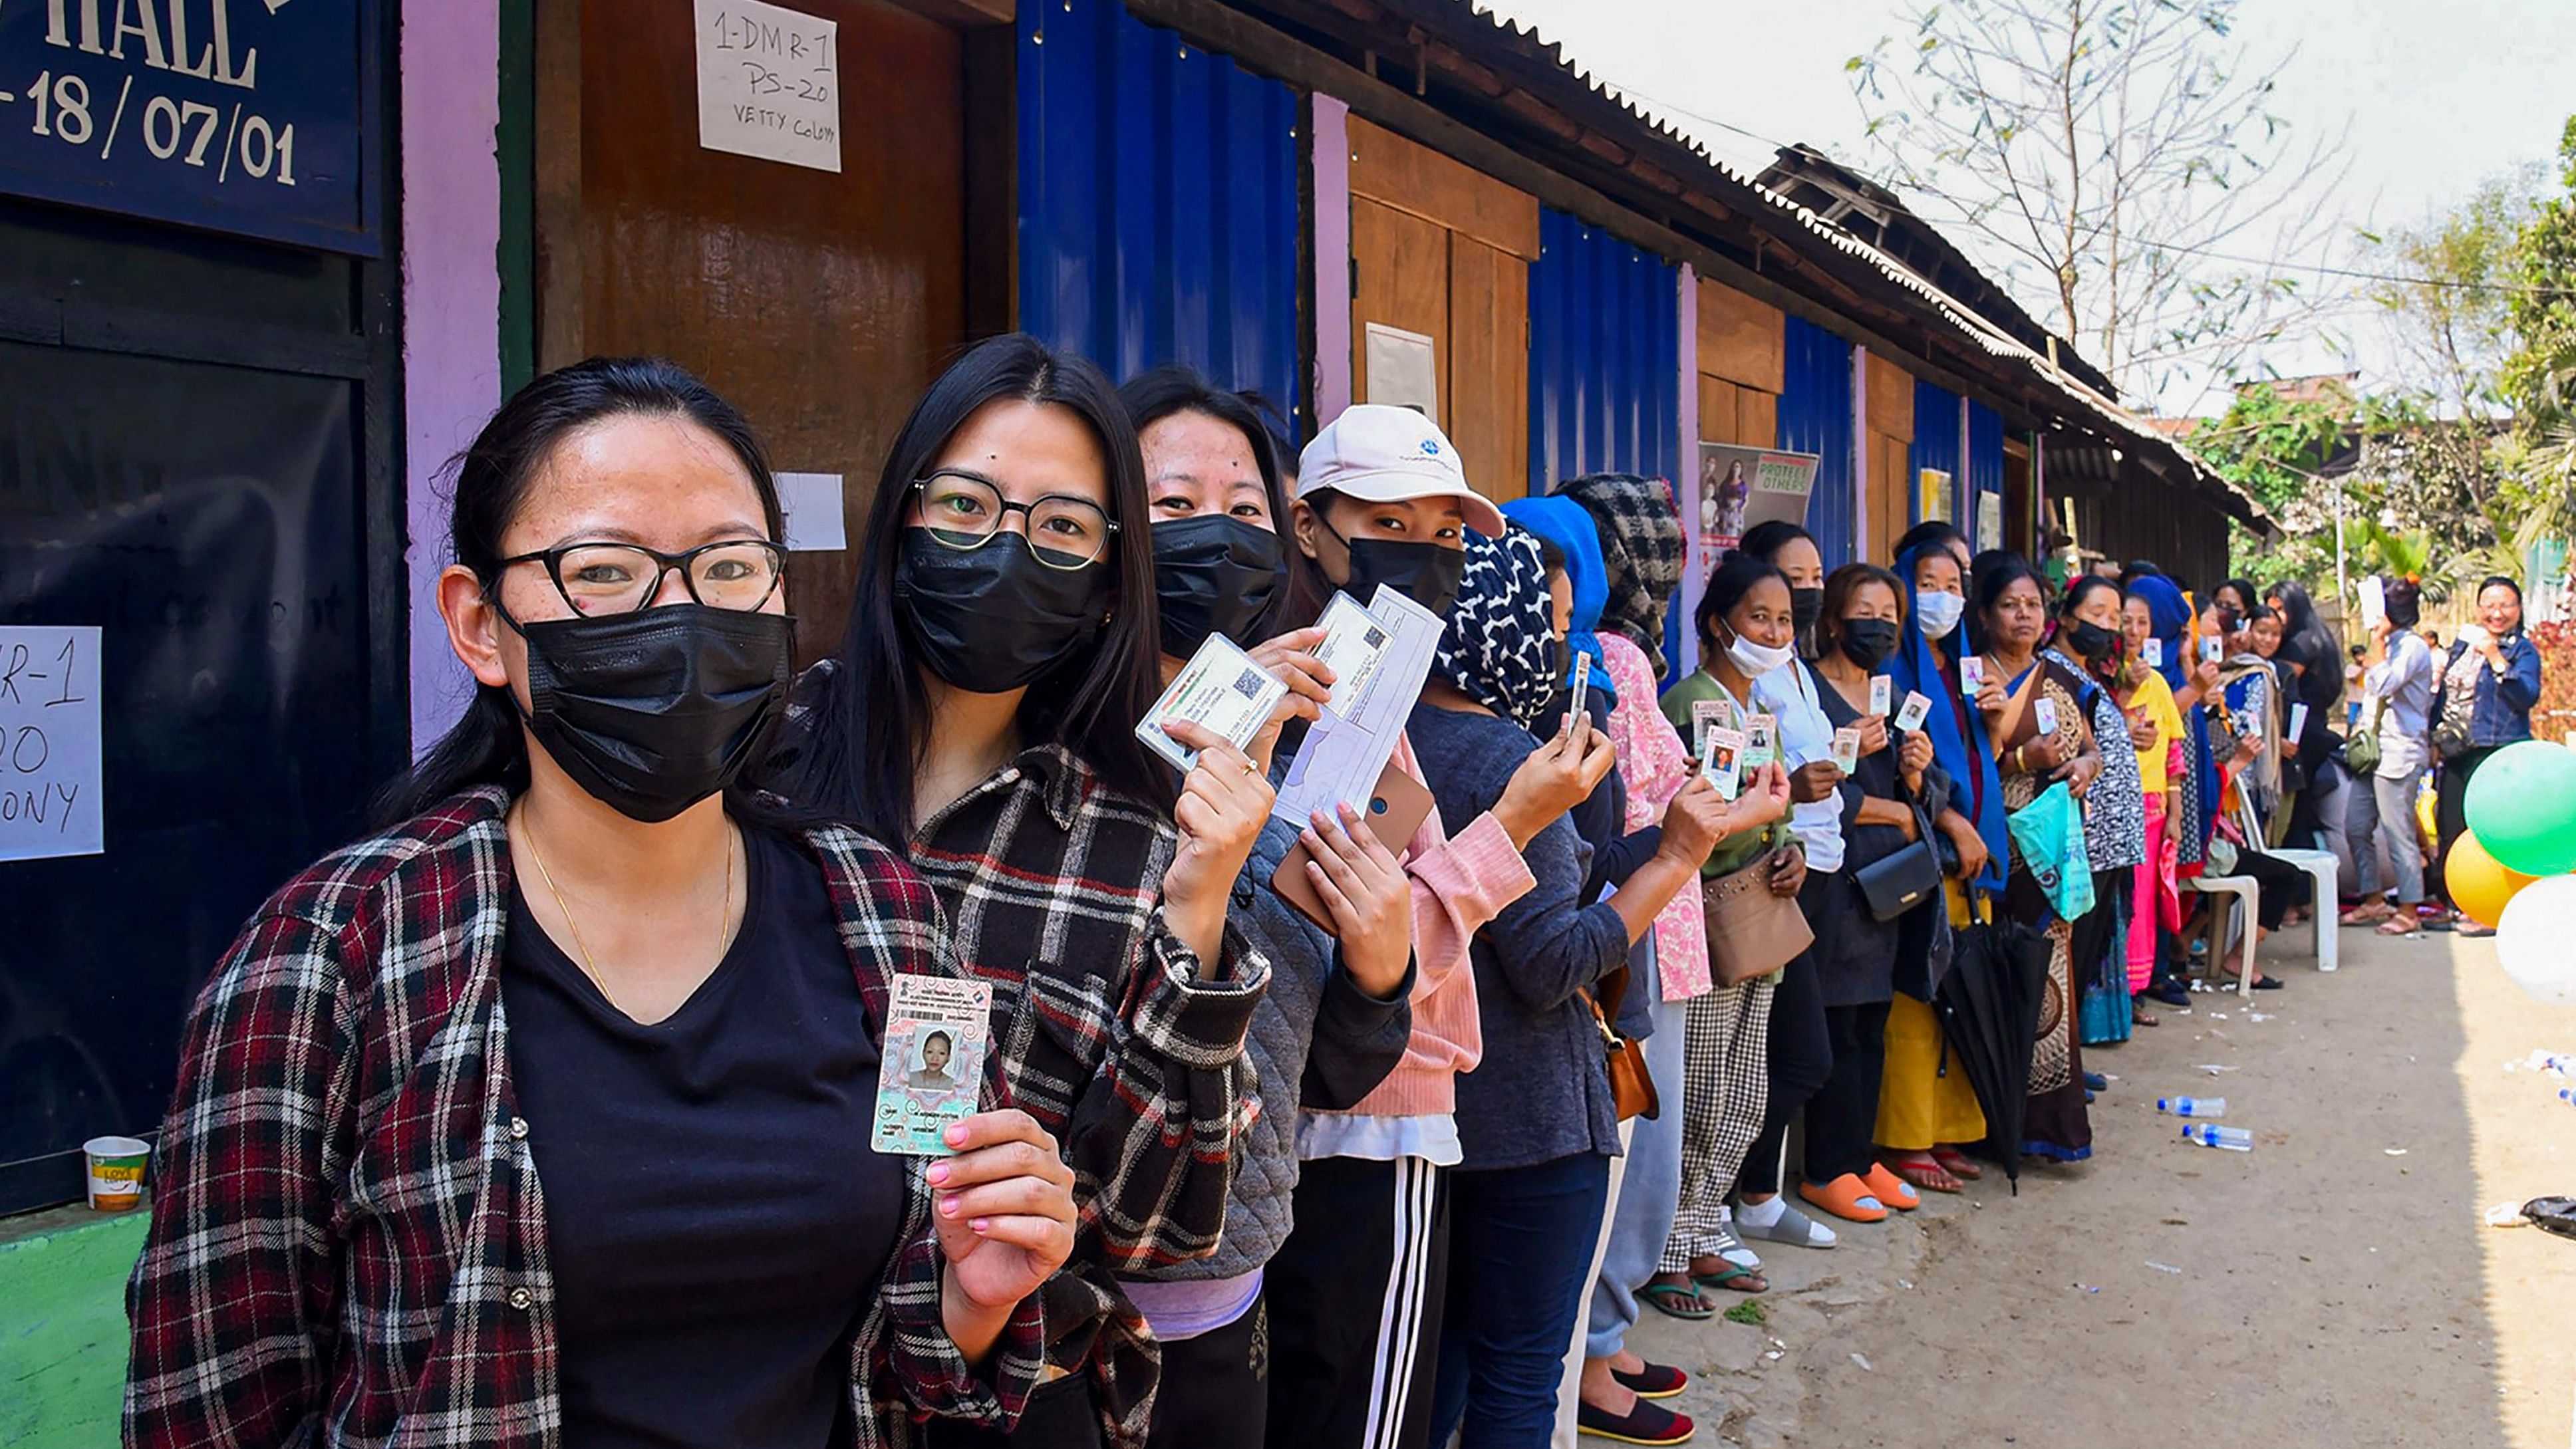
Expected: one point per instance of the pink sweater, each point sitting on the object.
(1655, 765)
(1459, 883)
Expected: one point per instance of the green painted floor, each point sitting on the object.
(62, 1326)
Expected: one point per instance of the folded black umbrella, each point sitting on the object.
(1989, 1006)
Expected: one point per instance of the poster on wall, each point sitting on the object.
(49, 743)
(1932, 495)
(1403, 370)
(1742, 488)
(1990, 521)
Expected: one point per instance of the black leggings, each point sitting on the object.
(1842, 1117)
(1801, 1058)
(2450, 812)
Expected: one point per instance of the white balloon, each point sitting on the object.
(2536, 940)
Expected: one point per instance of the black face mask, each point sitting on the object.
(1426, 573)
(991, 619)
(1213, 575)
(1806, 606)
(653, 711)
(1868, 642)
(2091, 642)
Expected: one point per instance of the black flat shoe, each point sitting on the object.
(2096, 1082)
(1654, 1381)
(1645, 1424)
(2171, 993)
(2267, 983)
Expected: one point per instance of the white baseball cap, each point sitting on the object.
(1387, 454)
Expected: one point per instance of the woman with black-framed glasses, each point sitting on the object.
(546, 1111)
(980, 716)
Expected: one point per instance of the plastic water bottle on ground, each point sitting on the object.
(2192, 1106)
(2228, 1139)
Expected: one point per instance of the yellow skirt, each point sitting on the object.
(1917, 1105)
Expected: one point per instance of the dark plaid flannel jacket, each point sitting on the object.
(1110, 1031)
(348, 1240)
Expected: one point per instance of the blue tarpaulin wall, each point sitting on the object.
(1159, 214)
(1985, 471)
(1936, 445)
(1816, 417)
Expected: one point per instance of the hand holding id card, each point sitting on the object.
(931, 1074)
(1581, 691)
(1221, 690)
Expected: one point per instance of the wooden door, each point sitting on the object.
(819, 303)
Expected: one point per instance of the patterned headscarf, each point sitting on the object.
(1641, 554)
(1495, 647)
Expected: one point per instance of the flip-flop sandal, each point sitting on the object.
(1675, 1301)
(1654, 1381)
(2399, 926)
(1929, 1176)
(1735, 1280)
(1958, 1164)
(2140, 1016)
(1846, 1197)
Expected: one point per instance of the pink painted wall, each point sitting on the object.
(1332, 151)
(451, 57)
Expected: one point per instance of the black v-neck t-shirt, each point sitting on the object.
(715, 1220)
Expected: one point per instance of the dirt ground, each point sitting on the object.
(2335, 1287)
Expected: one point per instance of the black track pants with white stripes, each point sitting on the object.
(1355, 1299)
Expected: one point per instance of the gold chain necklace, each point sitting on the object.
(590, 967)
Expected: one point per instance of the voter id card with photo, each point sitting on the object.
(2152, 650)
(931, 1073)
(1580, 691)
(1882, 695)
(2045, 709)
(1847, 749)
(1972, 675)
(1221, 690)
(1916, 709)
(1706, 715)
(1722, 760)
(1353, 646)
(1761, 741)
(2211, 649)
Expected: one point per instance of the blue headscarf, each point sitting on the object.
(1564, 523)
(1967, 759)
(2169, 619)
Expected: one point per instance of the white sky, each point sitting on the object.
(2434, 95)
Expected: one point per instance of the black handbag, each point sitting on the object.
(1903, 878)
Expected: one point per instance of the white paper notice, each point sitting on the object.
(769, 83)
(812, 503)
(49, 743)
(1346, 749)
(1403, 369)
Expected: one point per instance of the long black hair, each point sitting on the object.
(868, 728)
(1154, 395)
(491, 479)
(2304, 637)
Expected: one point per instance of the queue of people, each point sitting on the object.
(553, 1111)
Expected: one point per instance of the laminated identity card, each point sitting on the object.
(1582, 689)
(1221, 690)
(1847, 749)
(1972, 674)
(1706, 715)
(1882, 695)
(2211, 649)
(932, 1070)
(1722, 760)
(1354, 648)
(2046, 710)
(2152, 650)
(1761, 741)
(1916, 708)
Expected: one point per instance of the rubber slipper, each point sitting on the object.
(2473, 931)
(1846, 1197)
(1644, 1423)
(1929, 1176)
(1958, 1164)
(1730, 1246)
(1792, 1227)
(1892, 1190)
(1654, 1381)
(1675, 1301)
(2398, 926)
(1735, 1280)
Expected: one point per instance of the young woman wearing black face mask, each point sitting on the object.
(422, 1146)
(1336, 1017)
(981, 711)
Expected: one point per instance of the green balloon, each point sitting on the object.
(2521, 805)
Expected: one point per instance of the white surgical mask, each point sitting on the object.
(1937, 613)
(1757, 660)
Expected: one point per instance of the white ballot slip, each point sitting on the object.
(1723, 761)
(1761, 741)
(1882, 695)
(2152, 650)
(1706, 715)
(2045, 709)
(1847, 749)
(2374, 600)
(1222, 691)
(1579, 691)
(2473, 635)
(1916, 708)
(931, 1073)
(2298, 720)
(1354, 648)
(1349, 744)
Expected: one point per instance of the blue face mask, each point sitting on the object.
(1938, 613)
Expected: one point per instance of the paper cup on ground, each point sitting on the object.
(116, 1172)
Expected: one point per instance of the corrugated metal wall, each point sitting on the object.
(1816, 417)
(1936, 445)
(1159, 215)
(1604, 357)
(1985, 470)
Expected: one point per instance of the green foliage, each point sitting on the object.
(2542, 310)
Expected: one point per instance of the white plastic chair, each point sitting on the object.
(2247, 890)
(2321, 871)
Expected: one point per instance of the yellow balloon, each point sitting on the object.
(2479, 886)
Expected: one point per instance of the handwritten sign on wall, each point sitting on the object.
(49, 743)
(769, 83)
